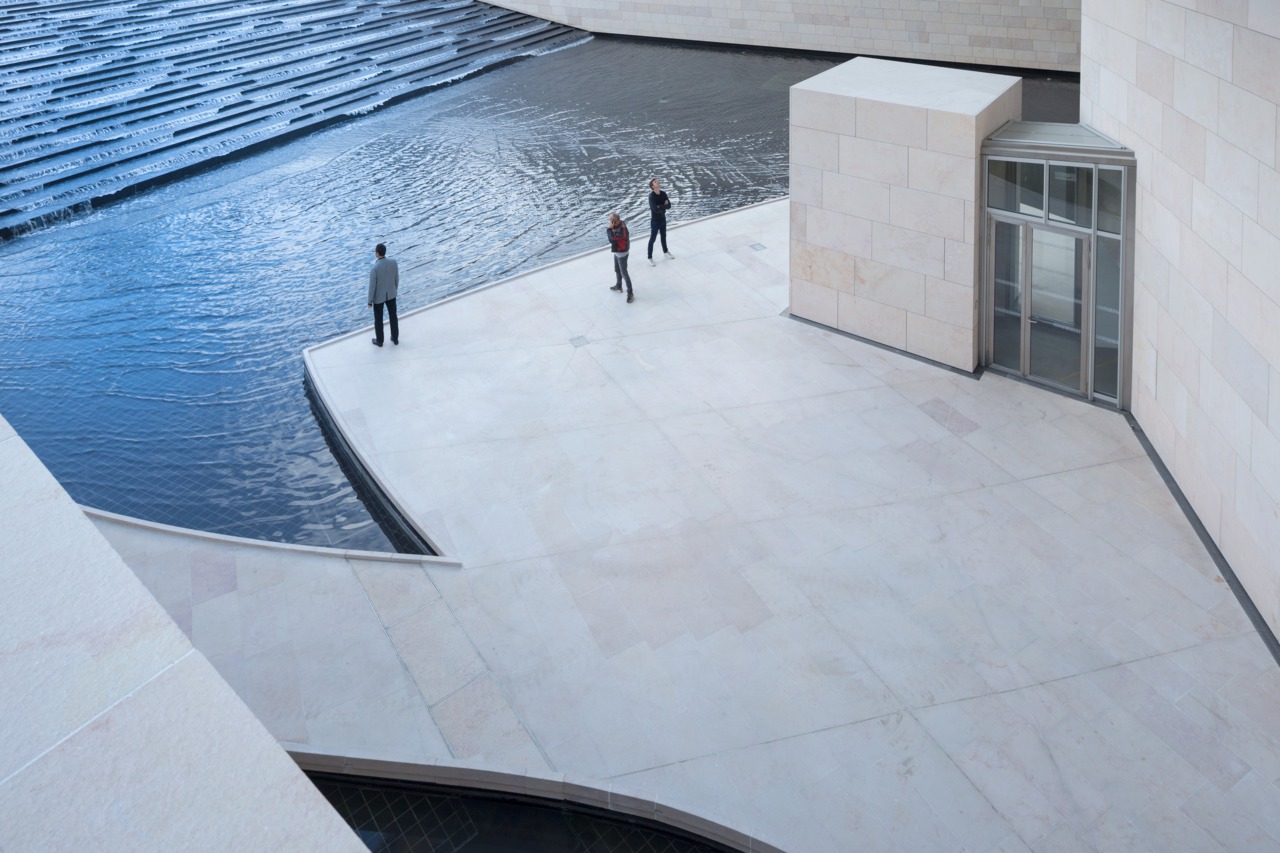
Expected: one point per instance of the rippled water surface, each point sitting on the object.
(150, 352)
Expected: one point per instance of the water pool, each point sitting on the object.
(150, 352)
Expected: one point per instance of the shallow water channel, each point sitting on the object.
(150, 352)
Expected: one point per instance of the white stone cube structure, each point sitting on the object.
(885, 164)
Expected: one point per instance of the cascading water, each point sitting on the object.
(101, 98)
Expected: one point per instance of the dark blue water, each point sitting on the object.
(404, 816)
(150, 351)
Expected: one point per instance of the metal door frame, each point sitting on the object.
(1025, 281)
(1049, 156)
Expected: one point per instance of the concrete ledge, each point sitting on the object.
(240, 541)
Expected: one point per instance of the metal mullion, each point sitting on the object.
(1024, 279)
(1087, 298)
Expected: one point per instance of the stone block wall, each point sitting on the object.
(884, 186)
(1014, 33)
(1195, 92)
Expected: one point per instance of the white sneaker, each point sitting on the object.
(651, 263)
(668, 256)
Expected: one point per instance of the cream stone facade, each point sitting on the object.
(1195, 92)
(884, 183)
(1019, 34)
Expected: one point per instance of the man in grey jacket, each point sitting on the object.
(384, 281)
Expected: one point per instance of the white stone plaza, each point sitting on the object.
(758, 555)
(819, 592)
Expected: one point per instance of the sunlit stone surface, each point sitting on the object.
(829, 595)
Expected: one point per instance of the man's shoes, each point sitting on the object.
(376, 342)
(396, 341)
(631, 297)
(651, 263)
(617, 287)
(668, 256)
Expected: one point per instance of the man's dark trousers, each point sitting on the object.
(377, 321)
(656, 227)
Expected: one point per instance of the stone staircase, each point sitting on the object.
(99, 98)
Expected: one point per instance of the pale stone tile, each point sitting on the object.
(1166, 27)
(885, 162)
(960, 264)
(832, 230)
(1233, 174)
(1155, 72)
(1241, 365)
(873, 320)
(1269, 199)
(1183, 141)
(1264, 18)
(216, 628)
(1253, 56)
(815, 148)
(1261, 254)
(953, 133)
(926, 212)
(268, 682)
(398, 726)
(805, 185)
(1172, 186)
(945, 174)
(827, 268)
(813, 302)
(438, 654)
(478, 723)
(1146, 114)
(909, 249)
(856, 196)
(822, 111)
(895, 123)
(395, 590)
(890, 285)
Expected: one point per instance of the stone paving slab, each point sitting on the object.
(339, 652)
(825, 594)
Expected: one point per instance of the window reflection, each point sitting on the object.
(1016, 187)
(1110, 199)
(1071, 194)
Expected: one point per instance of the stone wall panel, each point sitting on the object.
(1042, 34)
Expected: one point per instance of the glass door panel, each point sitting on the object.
(1055, 315)
(1106, 317)
(1006, 330)
(1071, 195)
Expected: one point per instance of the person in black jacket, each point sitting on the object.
(659, 204)
(620, 242)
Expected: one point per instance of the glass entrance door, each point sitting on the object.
(1055, 315)
(1039, 314)
(1057, 259)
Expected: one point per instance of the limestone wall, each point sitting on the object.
(884, 188)
(1015, 33)
(1195, 94)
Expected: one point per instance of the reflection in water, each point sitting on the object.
(150, 352)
